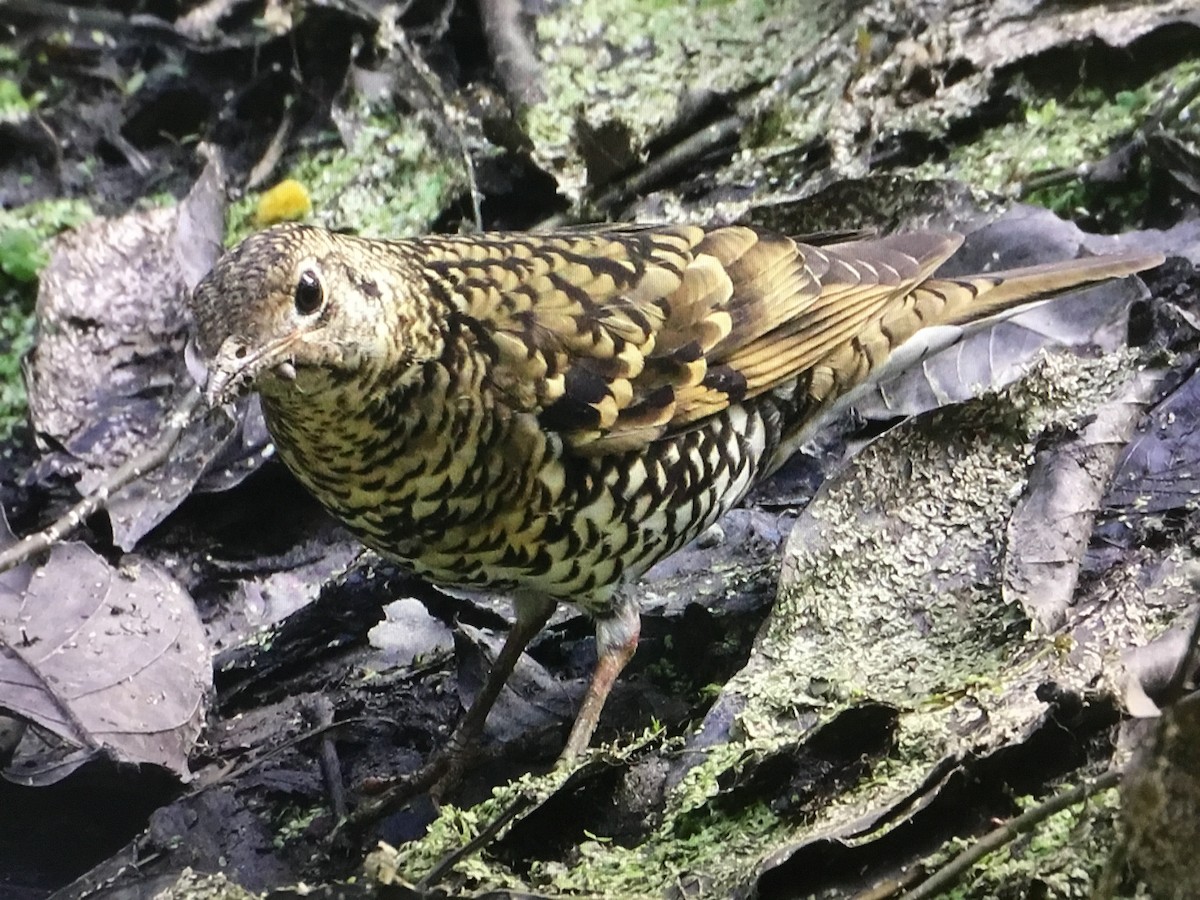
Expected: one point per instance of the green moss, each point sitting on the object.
(848, 119)
(455, 827)
(1062, 134)
(15, 106)
(1066, 856)
(692, 839)
(390, 182)
(193, 885)
(46, 218)
(633, 61)
(156, 200)
(293, 821)
(23, 235)
(22, 255)
(16, 339)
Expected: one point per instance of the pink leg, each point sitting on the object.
(616, 641)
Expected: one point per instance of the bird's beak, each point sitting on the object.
(236, 366)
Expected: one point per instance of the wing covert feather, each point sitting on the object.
(617, 336)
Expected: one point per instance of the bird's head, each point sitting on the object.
(294, 307)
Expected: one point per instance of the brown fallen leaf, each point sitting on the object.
(109, 364)
(1051, 526)
(104, 662)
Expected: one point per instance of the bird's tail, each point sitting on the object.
(935, 312)
(973, 297)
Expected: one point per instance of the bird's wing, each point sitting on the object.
(614, 338)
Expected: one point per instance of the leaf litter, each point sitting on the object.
(818, 696)
(113, 662)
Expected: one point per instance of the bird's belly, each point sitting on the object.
(567, 526)
(608, 518)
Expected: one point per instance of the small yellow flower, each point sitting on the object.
(287, 201)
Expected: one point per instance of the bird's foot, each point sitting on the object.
(381, 797)
(444, 771)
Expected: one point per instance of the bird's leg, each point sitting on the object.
(533, 612)
(444, 770)
(616, 641)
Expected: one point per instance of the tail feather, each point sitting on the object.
(933, 313)
(980, 296)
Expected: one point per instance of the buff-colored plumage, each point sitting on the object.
(549, 415)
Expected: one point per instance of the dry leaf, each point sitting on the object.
(109, 661)
(109, 365)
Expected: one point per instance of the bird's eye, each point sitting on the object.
(309, 293)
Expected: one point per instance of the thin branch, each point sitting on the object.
(399, 790)
(1053, 178)
(320, 731)
(513, 53)
(1183, 100)
(131, 470)
(693, 148)
(36, 676)
(948, 874)
(273, 154)
(722, 133)
(481, 840)
(450, 119)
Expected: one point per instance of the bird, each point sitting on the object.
(547, 415)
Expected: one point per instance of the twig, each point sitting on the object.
(703, 141)
(477, 843)
(1184, 99)
(707, 139)
(273, 154)
(131, 470)
(35, 676)
(138, 161)
(691, 149)
(1052, 178)
(55, 143)
(512, 52)
(319, 731)
(449, 119)
(1009, 831)
(400, 790)
(319, 712)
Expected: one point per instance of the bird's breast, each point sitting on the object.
(465, 491)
